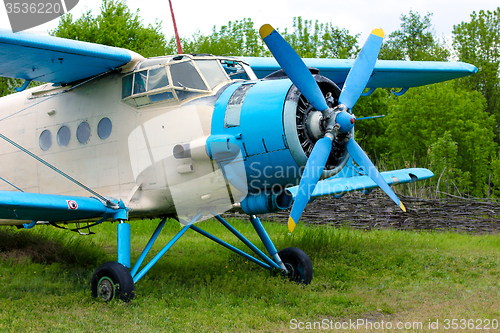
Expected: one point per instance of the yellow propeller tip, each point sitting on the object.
(291, 224)
(265, 30)
(378, 32)
(402, 206)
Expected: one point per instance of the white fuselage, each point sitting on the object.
(127, 165)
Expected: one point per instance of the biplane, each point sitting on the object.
(112, 136)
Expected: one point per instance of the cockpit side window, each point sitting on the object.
(157, 78)
(140, 79)
(185, 75)
(127, 85)
(212, 72)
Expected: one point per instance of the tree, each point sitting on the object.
(424, 115)
(414, 41)
(114, 26)
(478, 42)
(311, 39)
(4, 86)
(370, 133)
(238, 38)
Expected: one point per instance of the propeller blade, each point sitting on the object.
(312, 172)
(364, 161)
(362, 69)
(293, 66)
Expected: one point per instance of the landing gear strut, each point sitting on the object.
(113, 279)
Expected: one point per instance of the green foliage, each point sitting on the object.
(443, 162)
(370, 133)
(238, 38)
(321, 40)
(5, 86)
(478, 42)
(116, 26)
(421, 118)
(495, 178)
(414, 41)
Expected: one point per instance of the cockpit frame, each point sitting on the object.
(176, 79)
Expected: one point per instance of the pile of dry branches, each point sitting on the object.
(376, 210)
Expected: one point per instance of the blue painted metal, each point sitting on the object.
(167, 247)
(386, 74)
(160, 254)
(55, 208)
(369, 92)
(293, 66)
(262, 143)
(29, 225)
(265, 202)
(51, 59)
(264, 236)
(372, 117)
(338, 185)
(312, 172)
(24, 86)
(401, 92)
(345, 121)
(361, 71)
(230, 247)
(123, 244)
(247, 242)
(148, 247)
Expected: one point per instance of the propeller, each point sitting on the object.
(338, 120)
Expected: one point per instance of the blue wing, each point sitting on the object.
(23, 206)
(57, 60)
(386, 74)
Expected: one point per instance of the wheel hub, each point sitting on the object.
(106, 289)
(291, 270)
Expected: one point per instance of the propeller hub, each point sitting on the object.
(339, 119)
(344, 121)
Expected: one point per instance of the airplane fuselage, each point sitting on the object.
(145, 137)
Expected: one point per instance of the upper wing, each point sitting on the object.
(57, 60)
(386, 74)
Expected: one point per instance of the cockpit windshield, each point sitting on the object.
(179, 78)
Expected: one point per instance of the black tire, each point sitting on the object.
(298, 264)
(112, 280)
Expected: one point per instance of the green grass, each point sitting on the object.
(200, 286)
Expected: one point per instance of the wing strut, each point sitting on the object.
(108, 202)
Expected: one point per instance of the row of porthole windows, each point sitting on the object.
(82, 134)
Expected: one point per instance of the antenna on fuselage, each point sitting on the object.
(179, 48)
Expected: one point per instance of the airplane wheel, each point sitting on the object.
(112, 280)
(298, 264)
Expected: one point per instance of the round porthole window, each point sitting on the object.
(45, 140)
(63, 136)
(104, 128)
(83, 132)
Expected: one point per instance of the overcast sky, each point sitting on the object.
(358, 16)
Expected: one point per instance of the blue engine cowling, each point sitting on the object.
(266, 119)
